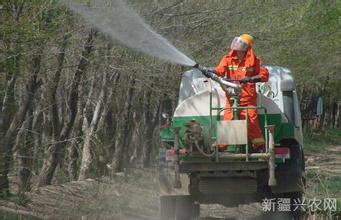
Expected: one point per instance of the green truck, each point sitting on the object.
(192, 131)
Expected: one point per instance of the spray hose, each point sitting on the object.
(225, 84)
(201, 150)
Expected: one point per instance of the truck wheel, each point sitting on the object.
(178, 208)
(295, 213)
(167, 207)
(295, 198)
(193, 186)
(186, 209)
(195, 211)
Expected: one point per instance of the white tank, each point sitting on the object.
(278, 95)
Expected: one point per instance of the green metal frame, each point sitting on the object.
(235, 108)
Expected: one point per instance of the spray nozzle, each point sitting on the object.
(210, 73)
(203, 69)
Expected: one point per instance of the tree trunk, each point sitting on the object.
(337, 115)
(55, 153)
(325, 117)
(74, 147)
(8, 141)
(8, 104)
(37, 133)
(147, 145)
(72, 163)
(25, 154)
(137, 139)
(88, 146)
(123, 137)
(325, 114)
(8, 107)
(334, 112)
(105, 124)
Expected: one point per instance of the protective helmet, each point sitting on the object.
(242, 42)
(247, 38)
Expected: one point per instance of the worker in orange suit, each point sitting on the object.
(241, 63)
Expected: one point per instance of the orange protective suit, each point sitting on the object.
(232, 68)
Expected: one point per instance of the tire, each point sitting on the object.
(193, 186)
(178, 208)
(291, 174)
(185, 209)
(295, 198)
(167, 207)
(192, 213)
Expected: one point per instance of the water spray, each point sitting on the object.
(116, 20)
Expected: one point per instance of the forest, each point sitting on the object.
(77, 105)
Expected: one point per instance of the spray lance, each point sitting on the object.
(226, 85)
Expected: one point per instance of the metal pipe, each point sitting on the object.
(242, 107)
(229, 84)
(211, 116)
(177, 180)
(201, 150)
(208, 72)
(247, 133)
(243, 156)
(266, 132)
(272, 165)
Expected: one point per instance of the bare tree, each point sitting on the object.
(55, 152)
(8, 141)
(123, 138)
(90, 129)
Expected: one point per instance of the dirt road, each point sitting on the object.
(329, 161)
(135, 195)
(127, 197)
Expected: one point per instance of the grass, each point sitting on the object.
(317, 141)
(9, 216)
(321, 184)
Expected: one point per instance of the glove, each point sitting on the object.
(207, 71)
(252, 79)
(245, 80)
